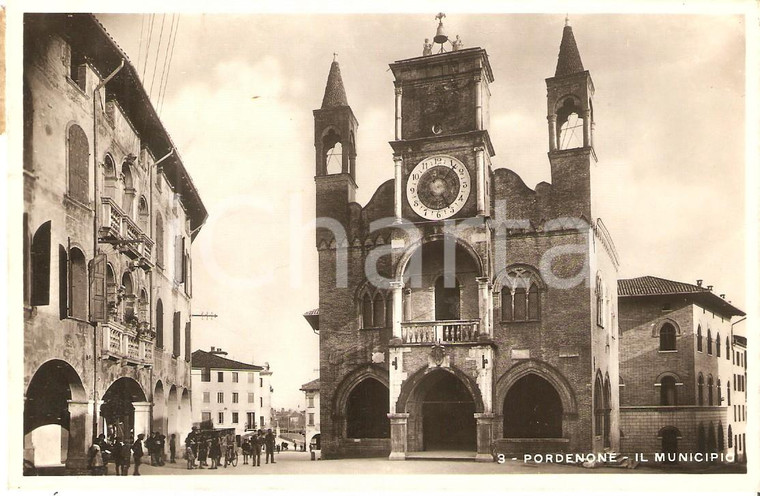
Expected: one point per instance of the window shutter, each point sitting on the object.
(178, 258)
(63, 283)
(184, 260)
(98, 311)
(79, 157)
(176, 334)
(187, 341)
(40, 255)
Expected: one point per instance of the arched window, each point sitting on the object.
(699, 338)
(730, 437)
(129, 297)
(366, 311)
(389, 310)
(159, 323)
(378, 311)
(667, 337)
(598, 406)
(109, 176)
(129, 189)
(728, 350)
(718, 392)
(446, 300)
(728, 392)
(599, 294)
(717, 345)
(709, 342)
(520, 296)
(569, 125)
(700, 390)
(142, 214)
(668, 391)
(78, 284)
(701, 441)
(607, 411)
(710, 390)
(142, 304)
(333, 150)
(78, 160)
(40, 266)
(159, 240)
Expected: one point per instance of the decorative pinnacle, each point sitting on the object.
(335, 56)
(567, 19)
(440, 17)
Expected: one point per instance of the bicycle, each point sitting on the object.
(231, 457)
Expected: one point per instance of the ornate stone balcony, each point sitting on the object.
(440, 331)
(132, 343)
(118, 228)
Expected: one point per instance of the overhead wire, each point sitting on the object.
(139, 46)
(147, 48)
(158, 49)
(163, 66)
(169, 66)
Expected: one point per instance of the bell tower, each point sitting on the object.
(442, 148)
(335, 144)
(570, 115)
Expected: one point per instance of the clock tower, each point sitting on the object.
(442, 150)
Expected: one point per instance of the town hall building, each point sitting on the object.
(460, 310)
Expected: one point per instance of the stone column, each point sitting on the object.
(80, 417)
(397, 183)
(398, 112)
(142, 417)
(478, 102)
(398, 435)
(397, 287)
(485, 436)
(552, 132)
(586, 128)
(484, 306)
(481, 177)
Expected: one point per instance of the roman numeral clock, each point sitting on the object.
(438, 187)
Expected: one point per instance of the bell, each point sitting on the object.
(440, 36)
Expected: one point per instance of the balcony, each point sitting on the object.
(133, 344)
(118, 228)
(440, 331)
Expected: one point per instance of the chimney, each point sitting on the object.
(217, 351)
(212, 349)
(709, 288)
(699, 283)
(723, 296)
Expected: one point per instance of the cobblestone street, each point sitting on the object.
(299, 463)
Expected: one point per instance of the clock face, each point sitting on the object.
(438, 187)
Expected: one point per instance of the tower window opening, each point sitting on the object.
(569, 125)
(333, 157)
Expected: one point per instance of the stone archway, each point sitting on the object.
(532, 409)
(160, 418)
(56, 417)
(441, 404)
(172, 415)
(125, 410)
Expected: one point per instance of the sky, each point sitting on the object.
(669, 136)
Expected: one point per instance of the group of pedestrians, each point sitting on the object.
(124, 453)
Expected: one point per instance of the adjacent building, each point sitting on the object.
(311, 395)
(231, 394)
(459, 337)
(110, 214)
(682, 369)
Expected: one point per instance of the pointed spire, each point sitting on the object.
(335, 93)
(569, 60)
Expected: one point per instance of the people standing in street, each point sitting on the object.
(172, 448)
(150, 446)
(117, 452)
(215, 452)
(246, 448)
(95, 459)
(105, 451)
(202, 453)
(269, 442)
(137, 452)
(256, 445)
(160, 447)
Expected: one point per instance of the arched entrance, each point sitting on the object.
(532, 409)
(442, 414)
(125, 411)
(55, 416)
(185, 417)
(367, 410)
(172, 414)
(669, 436)
(159, 409)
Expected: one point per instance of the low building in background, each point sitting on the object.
(311, 393)
(682, 369)
(229, 393)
